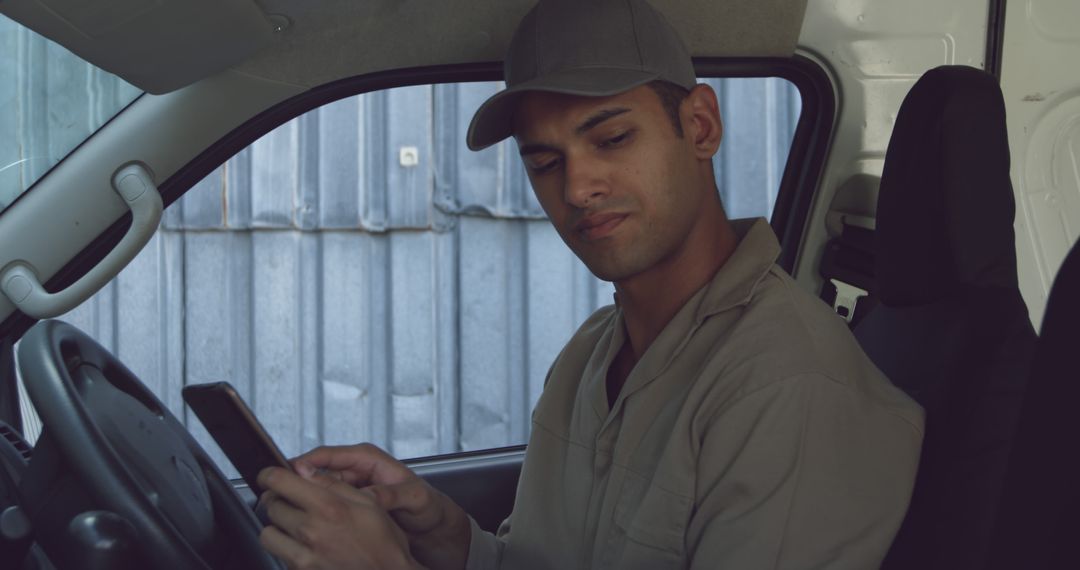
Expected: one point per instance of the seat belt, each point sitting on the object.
(848, 270)
(846, 299)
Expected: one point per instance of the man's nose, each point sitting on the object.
(585, 182)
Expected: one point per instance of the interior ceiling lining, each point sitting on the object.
(163, 45)
(336, 39)
(156, 45)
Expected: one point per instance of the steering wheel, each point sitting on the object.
(109, 438)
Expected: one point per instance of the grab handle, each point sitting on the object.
(20, 283)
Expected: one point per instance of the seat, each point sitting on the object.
(1039, 517)
(950, 328)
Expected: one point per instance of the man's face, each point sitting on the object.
(619, 186)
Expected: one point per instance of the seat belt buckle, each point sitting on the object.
(847, 296)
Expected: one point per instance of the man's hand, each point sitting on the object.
(437, 528)
(323, 523)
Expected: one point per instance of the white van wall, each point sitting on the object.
(1040, 78)
(876, 50)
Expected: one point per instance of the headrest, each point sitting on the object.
(945, 206)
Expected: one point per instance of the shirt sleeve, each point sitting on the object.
(801, 474)
(485, 548)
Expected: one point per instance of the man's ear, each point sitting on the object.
(701, 116)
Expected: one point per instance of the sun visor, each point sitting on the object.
(156, 45)
(737, 28)
(334, 39)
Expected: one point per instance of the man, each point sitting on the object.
(716, 417)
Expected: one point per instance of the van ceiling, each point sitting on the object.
(156, 45)
(307, 43)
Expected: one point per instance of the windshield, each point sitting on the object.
(50, 101)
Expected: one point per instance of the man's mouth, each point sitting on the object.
(599, 226)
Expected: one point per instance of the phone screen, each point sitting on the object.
(235, 429)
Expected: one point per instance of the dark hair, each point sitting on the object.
(671, 96)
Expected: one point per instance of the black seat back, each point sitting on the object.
(951, 328)
(1038, 522)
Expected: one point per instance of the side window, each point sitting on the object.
(360, 275)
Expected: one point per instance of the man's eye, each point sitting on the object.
(544, 167)
(615, 140)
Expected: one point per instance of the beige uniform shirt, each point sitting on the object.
(752, 434)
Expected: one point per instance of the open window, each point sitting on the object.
(360, 275)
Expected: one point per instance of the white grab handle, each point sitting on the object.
(20, 283)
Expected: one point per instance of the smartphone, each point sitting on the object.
(235, 429)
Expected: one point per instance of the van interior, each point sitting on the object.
(930, 195)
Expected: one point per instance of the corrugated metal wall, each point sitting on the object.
(50, 101)
(352, 295)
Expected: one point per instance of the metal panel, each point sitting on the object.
(10, 96)
(353, 292)
(876, 51)
(1042, 102)
(50, 101)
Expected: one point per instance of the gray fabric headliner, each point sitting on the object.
(342, 38)
(158, 46)
(178, 42)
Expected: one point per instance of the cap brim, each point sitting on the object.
(493, 121)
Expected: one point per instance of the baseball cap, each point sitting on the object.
(582, 47)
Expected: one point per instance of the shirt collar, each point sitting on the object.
(732, 286)
(735, 281)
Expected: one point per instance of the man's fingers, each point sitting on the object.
(286, 517)
(340, 487)
(414, 504)
(412, 499)
(293, 488)
(412, 496)
(318, 494)
(265, 497)
(363, 464)
(260, 506)
(321, 521)
(291, 551)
